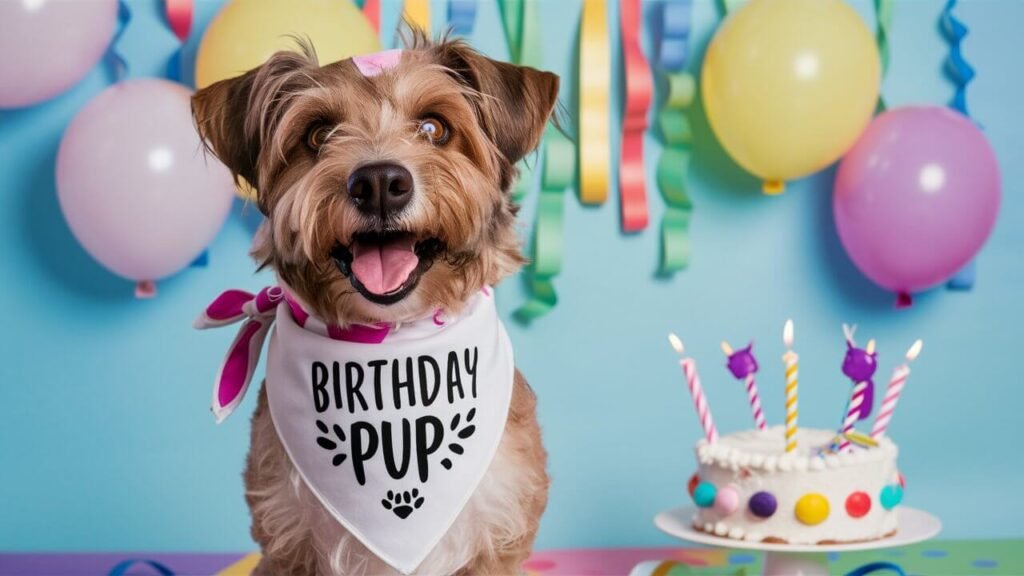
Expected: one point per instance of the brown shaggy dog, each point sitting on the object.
(420, 156)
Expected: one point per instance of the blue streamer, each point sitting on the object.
(122, 568)
(201, 261)
(675, 34)
(118, 62)
(462, 16)
(875, 567)
(957, 68)
(961, 73)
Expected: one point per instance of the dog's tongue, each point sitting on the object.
(382, 268)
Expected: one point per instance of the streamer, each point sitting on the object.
(179, 18)
(462, 16)
(512, 20)
(883, 15)
(639, 88)
(594, 89)
(961, 73)
(417, 12)
(371, 9)
(677, 135)
(118, 62)
(548, 233)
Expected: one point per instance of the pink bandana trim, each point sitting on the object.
(373, 64)
(258, 312)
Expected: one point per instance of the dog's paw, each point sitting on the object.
(326, 443)
(463, 433)
(402, 503)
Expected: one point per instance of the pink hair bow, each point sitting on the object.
(244, 354)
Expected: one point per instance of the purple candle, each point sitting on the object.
(859, 365)
(743, 366)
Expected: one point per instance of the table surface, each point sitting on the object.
(949, 557)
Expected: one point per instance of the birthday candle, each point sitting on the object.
(892, 393)
(696, 391)
(790, 359)
(743, 366)
(860, 371)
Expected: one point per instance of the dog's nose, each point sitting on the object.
(380, 189)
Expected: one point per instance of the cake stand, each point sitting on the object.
(799, 559)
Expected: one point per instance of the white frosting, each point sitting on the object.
(755, 461)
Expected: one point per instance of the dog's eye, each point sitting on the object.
(317, 136)
(435, 130)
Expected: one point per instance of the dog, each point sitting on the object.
(419, 156)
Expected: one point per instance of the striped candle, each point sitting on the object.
(852, 415)
(755, 403)
(696, 391)
(743, 366)
(791, 360)
(892, 393)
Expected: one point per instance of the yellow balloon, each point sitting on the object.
(245, 33)
(789, 85)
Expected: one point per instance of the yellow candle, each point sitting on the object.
(790, 359)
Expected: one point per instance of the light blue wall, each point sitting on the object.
(106, 441)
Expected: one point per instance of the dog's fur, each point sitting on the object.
(259, 125)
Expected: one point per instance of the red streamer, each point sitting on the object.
(179, 17)
(639, 89)
(371, 9)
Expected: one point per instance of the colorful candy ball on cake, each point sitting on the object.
(858, 504)
(812, 509)
(704, 494)
(763, 504)
(902, 481)
(727, 500)
(691, 486)
(891, 496)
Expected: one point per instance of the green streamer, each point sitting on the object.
(558, 173)
(883, 15)
(726, 6)
(675, 222)
(512, 20)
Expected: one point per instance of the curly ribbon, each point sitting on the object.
(558, 173)
(594, 92)
(417, 12)
(961, 73)
(122, 568)
(462, 16)
(876, 567)
(525, 44)
(639, 88)
(512, 21)
(677, 135)
(118, 62)
(371, 9)
(883, 17)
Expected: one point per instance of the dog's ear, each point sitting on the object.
(516, 102)
(235, 117)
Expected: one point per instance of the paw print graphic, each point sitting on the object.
(402, 503)
(330, 445)
(463, 433)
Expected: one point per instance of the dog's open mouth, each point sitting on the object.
(385, 266)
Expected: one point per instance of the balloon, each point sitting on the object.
(48, 46)
(788, 85)
(916, 197)
(245, 33)
(135, 184)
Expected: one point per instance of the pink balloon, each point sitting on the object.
(48, 45)
(135, 184)
(916, 197)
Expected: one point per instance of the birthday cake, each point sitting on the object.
(792, 485)
(747, 487)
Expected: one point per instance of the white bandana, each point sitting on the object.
(392, 429)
